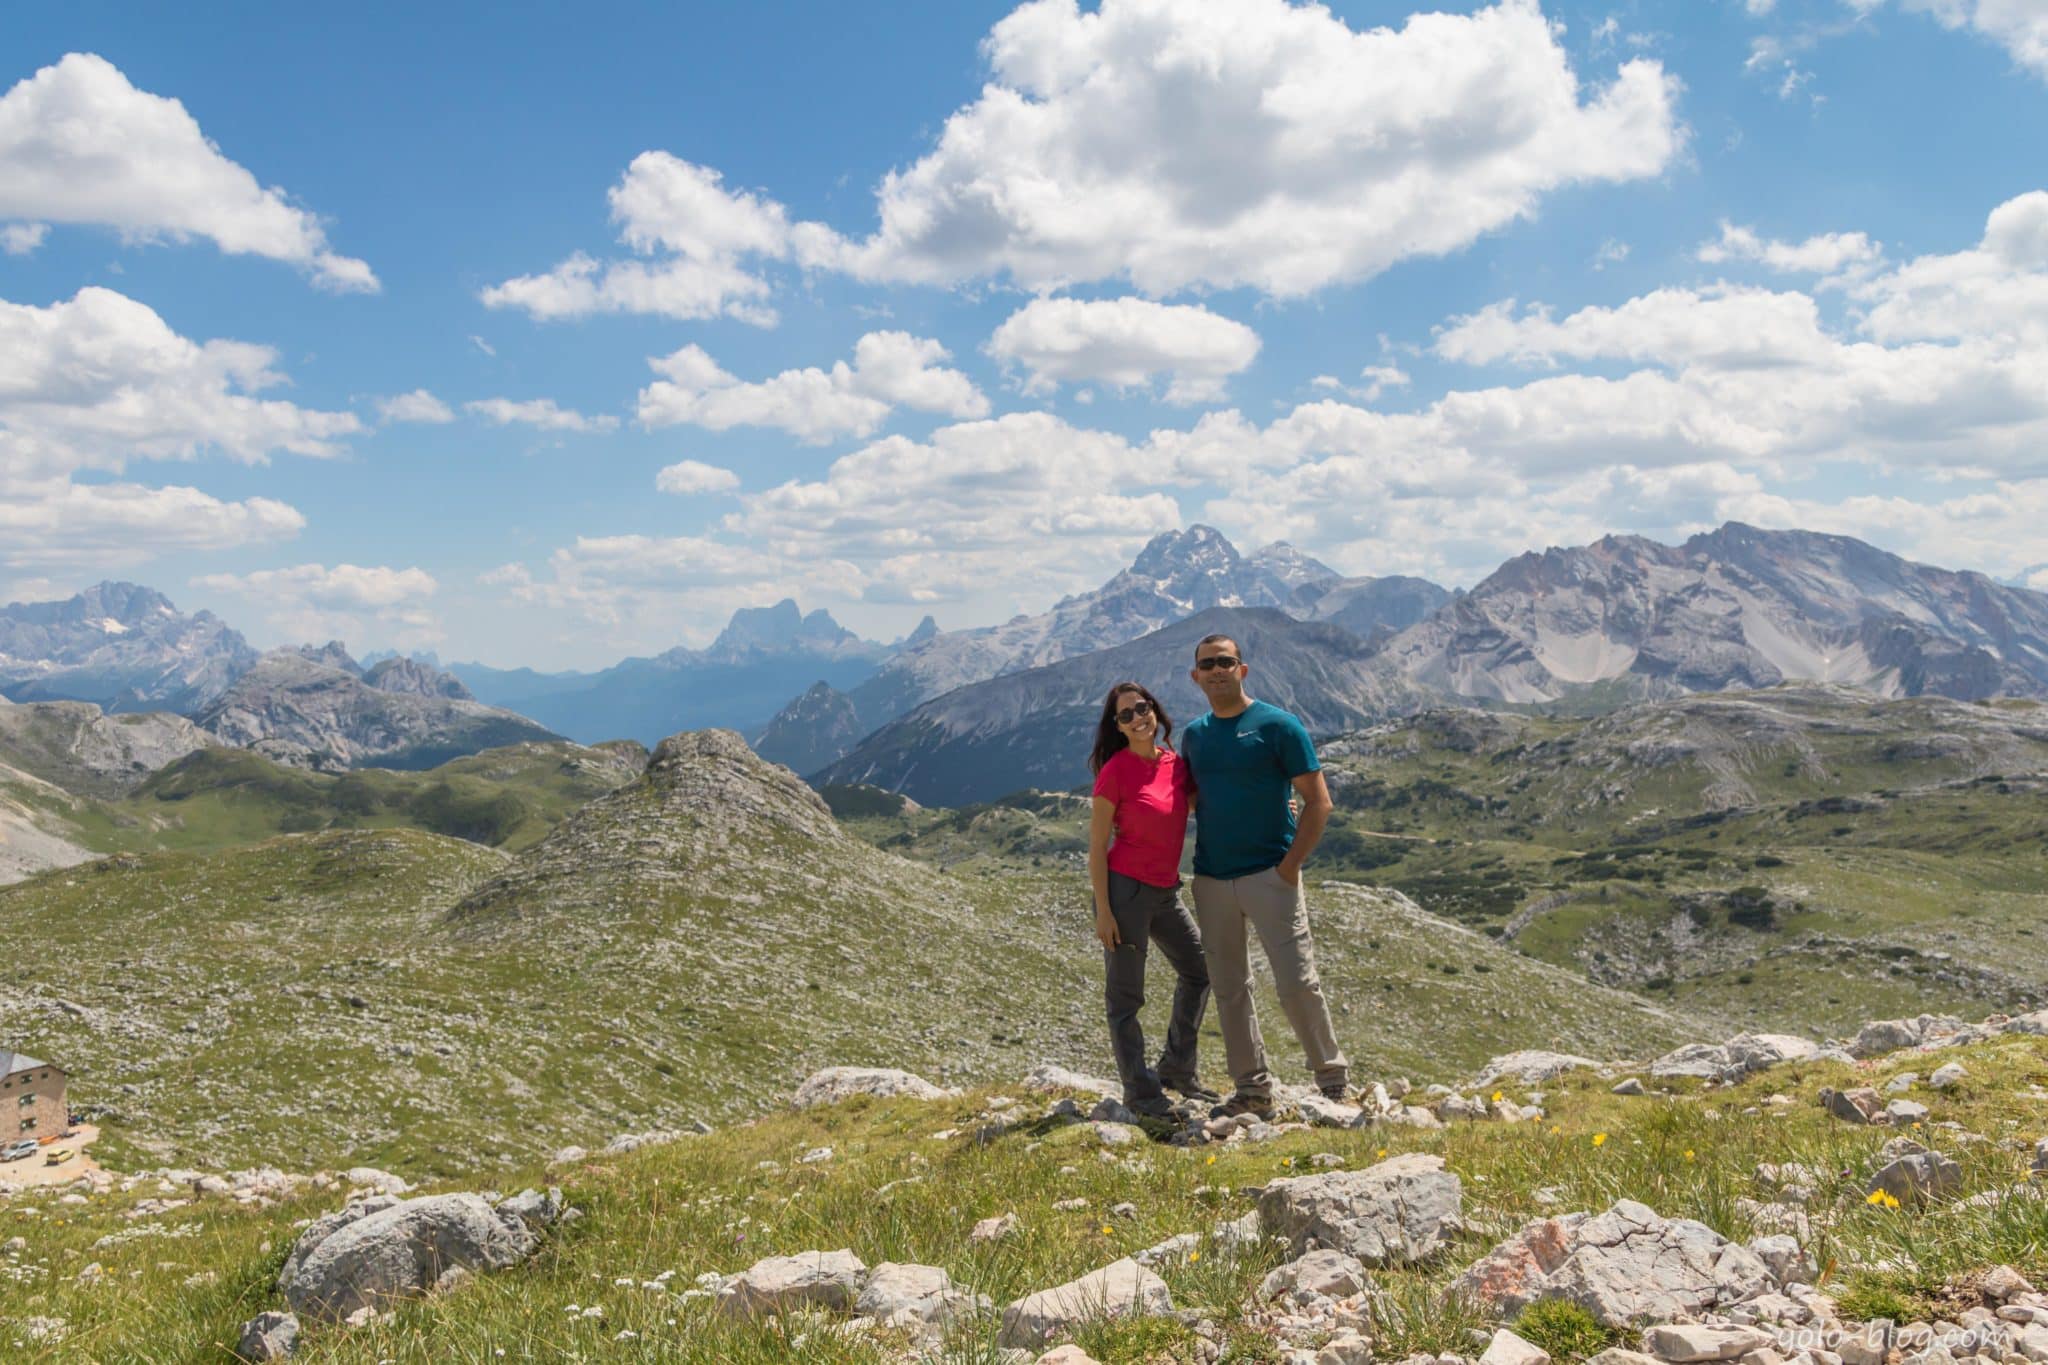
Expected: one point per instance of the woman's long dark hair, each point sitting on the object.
(1109, 737)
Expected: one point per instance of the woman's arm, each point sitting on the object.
(1101, 820)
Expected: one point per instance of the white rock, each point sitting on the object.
(824, 1279)
(1121, 1289)
(836, 1083)
(1508, 1349)
(1687, 1342)
(1391, 1213)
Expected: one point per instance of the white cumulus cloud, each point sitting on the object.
(368, 604)
(2019, 26)
(814, 405)
(543, 413)
(417, 406)
(98, 380)
(94, 528)
(1828, 253)
(698, 243)
(21, 239)
(1125, 343)
(80, 144)
(1185, 143)
(694, 476)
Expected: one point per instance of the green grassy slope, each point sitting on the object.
(1796, 858)
(690, 946)
(895, 1190)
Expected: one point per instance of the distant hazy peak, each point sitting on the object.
(779, 627)
(926, 629)
(334, 654)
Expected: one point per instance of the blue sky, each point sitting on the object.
(544, 340)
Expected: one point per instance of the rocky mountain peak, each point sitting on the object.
(1173, 554)
(781, 627)
(400, 674)
(926, 629)
(333, 654)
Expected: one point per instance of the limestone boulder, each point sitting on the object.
(1397, 1211)
(400, 1251)
(1624, 1266)
(809, 1279)
(1331, 1274)
(1532, 1067)
(915, 1296)
(1121, 1289)
(836, 1083)
(268, 1336)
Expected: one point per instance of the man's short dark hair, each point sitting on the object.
(1231, 640)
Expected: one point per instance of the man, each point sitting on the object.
(1247, 757)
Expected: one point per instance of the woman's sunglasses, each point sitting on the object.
(1133, 711)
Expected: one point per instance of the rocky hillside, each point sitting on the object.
(690, 945)
(122, 646)
(1737, 607)
(1764, 1195)
(309, 713)
(1033, 729)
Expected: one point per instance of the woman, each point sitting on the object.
(1141, 797)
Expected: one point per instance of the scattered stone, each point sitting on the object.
(1397, 1211)
(268, 1336)
(1901, 1083)
(1785, 1260)
(1615, 1355)
(1532, 1067)
(568, 1156)
(915, 1296)
(383, 1182)
(1068, 1354)
(836, 1083)
(2003, 1284)
(1331, 1274)
(1905, 1111)
(1050, 1078)
(343, 1264)
(1121, 1289)
(822, 1279)
(1912, 1177)
(1881, 1036)
(1861, 1105)
(1623, 1266)
(1508, 1349)
(1109, 1110)
(814, 1156)
(1947, 1076)
(993, 1229)
(1631, 1086)
(1117, 1134)
(1704, 1060)
(1688, 1342)
(1175, 1248)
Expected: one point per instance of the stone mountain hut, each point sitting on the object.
(31, 1098)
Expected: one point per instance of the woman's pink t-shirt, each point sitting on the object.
(1151, 814)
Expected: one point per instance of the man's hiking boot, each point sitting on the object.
(1258, 1106)
(1192, 1089)
(1152, 1107)
(1337, 1091)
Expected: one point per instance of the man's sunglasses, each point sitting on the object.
(1133, 711)
(1217, 661)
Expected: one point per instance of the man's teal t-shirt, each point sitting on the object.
(1244, 769)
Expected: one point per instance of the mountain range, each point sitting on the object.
(765, 654)
(1583, 629)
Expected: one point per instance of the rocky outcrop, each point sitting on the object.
(1623, 1266)
(1393, 1213)
(1121, 1289)
(383, 1249)
(837, 1083)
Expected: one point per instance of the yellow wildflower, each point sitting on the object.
(1382, 1154)
(1210, 1162)
(1883, 1199)
(1599, 1139)
(1105, 1230)
(1496, 1097)
(1688, 1154)
(1194, 1256)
